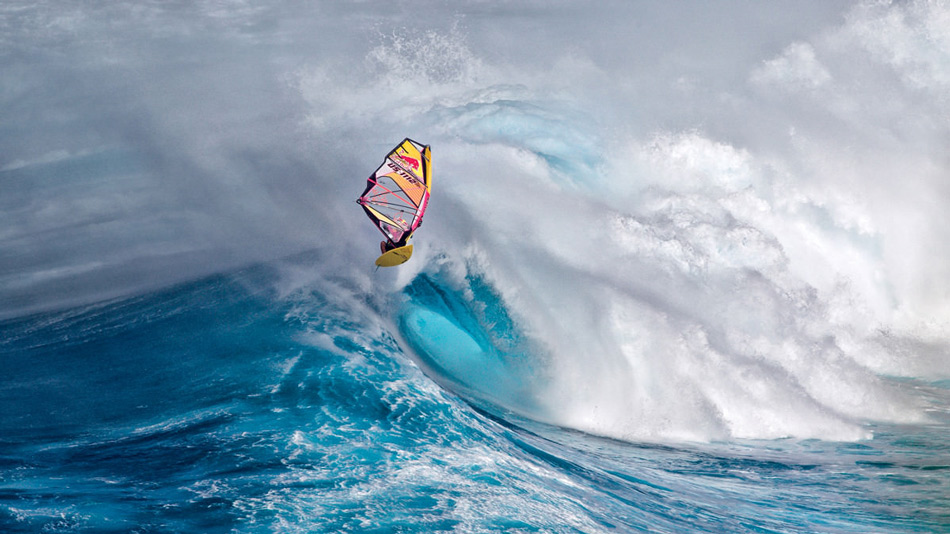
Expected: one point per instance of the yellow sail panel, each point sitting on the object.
(408, 157)
(427, 162)
(413, 188)
(381, 217)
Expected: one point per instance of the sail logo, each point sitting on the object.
(412, 162)
(401, 171)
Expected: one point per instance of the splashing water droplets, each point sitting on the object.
(433, 57)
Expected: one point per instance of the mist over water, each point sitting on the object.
(708, 223)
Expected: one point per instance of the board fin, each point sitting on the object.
(394, 257)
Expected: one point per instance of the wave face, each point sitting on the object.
(684, 268)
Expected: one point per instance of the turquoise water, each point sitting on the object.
(219, 406)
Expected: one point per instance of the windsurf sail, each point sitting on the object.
(397, 194)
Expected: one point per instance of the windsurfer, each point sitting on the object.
(388, 244)
(396, 197)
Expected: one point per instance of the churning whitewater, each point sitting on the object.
(684, 268)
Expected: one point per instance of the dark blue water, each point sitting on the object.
(221, 406)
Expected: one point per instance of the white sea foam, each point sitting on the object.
(686, 285)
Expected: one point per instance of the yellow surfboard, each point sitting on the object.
(394, 257)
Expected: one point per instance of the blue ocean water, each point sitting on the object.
(685, 268)
(218, 405)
